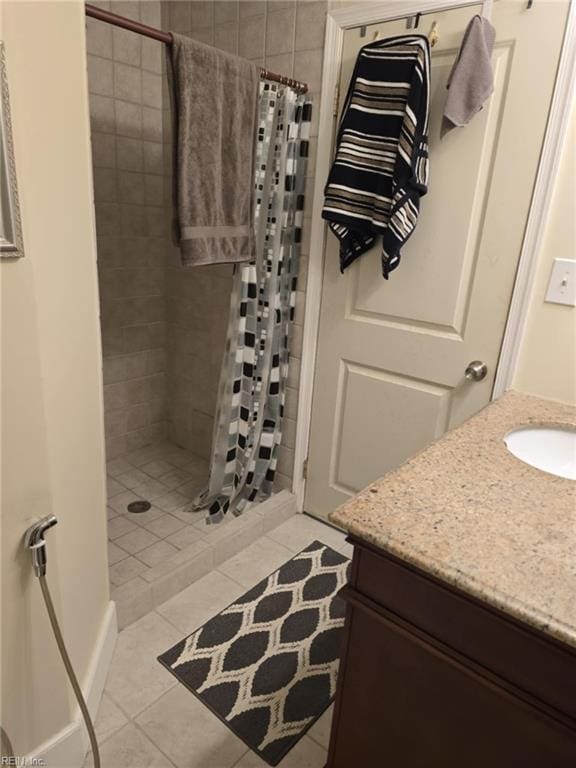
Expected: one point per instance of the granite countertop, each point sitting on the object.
(468, 512)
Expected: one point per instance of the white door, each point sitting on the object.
(392, 355)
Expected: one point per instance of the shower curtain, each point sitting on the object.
(254, 372)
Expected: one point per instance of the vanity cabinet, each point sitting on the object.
(431, 677)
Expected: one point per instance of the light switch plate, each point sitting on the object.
(562, 285)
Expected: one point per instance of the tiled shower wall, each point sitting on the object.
(197, 317)
(125, 84)
(164, 326)
(287, 38)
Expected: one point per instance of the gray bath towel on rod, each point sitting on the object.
(215, 99)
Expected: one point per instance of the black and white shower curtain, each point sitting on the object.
(255, 368)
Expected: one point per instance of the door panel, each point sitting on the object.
(413, 411)
(446, 254)
(392, 354)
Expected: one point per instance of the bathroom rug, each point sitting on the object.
(267, 664)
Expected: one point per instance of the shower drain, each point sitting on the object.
(139, 506)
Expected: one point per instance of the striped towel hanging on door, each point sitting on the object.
(381, 166)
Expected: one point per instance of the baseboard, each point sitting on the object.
(68, 748)
(64, 750)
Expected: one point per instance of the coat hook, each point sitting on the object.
(529, 4)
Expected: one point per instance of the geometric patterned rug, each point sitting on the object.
(267, 665)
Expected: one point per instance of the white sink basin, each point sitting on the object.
(550, 449)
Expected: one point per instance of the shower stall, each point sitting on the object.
(164, 327)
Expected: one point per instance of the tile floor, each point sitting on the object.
(155, 554)
(149, 720)
(169, 478)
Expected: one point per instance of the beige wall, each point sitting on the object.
(52, 421)
(547, 362)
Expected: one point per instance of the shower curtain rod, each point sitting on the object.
(166, 37)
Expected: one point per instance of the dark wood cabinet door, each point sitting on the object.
(517, 653)
(403, 703)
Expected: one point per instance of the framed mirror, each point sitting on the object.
(11, 245)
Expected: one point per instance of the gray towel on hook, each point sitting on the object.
(215, 98)
(471, 80)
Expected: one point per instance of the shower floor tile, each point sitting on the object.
(147, 718)
(139, 475)
(155, 554)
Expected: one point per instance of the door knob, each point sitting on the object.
(476, 370)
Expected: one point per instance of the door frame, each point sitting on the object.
(337, 22)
